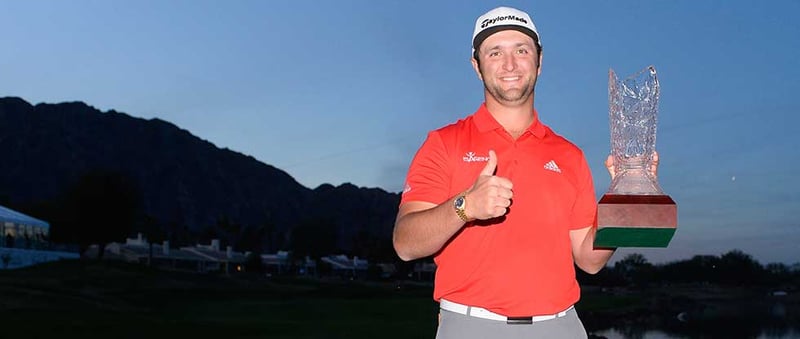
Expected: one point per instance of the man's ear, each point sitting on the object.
(539, 71)
(476, 67)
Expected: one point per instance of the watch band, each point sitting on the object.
(460, 208)
(462, 215)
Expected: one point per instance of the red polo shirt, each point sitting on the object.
(519, 265)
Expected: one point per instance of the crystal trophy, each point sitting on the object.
(634, 212)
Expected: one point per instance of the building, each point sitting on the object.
(344, 266)
(11, 258)
(214, 259)
(199, 258)
(277, 263)
(22, 231)
(25, 242)
(425, 271)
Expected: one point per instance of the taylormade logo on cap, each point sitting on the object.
(487, 22)
(502, 18)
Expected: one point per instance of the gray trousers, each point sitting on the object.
(454, 325)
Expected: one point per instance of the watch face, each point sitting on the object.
(459, 203)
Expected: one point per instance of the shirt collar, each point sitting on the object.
(486, 122)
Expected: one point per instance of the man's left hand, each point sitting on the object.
(653, 165)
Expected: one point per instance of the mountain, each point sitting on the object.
(181, 178)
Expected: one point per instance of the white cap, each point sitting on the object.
(503, 18)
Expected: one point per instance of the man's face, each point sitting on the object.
(509, 66)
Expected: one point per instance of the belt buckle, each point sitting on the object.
(519, 320)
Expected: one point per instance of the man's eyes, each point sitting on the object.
(518, 51)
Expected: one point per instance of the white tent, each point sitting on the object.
(20, 230)
(24, 241)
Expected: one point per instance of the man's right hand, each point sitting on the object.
(491, 195)
(423, 228)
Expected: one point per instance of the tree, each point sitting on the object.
(253, 263)
(102, 206)
(635, 269)
(314, 237)
(252, 238)
(229, 231)
(154, 233)
(272, 238)
(701, 268)
(778, 273)
(735, 265)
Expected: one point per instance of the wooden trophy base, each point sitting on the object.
(635, 220)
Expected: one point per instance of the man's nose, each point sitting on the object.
(509, 63)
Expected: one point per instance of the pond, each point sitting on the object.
(657, 334)
(771, 322)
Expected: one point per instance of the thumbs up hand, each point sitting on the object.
(491, 165)
(491, 195)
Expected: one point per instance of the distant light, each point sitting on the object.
(733, 178)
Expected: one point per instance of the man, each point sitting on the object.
(505, 205)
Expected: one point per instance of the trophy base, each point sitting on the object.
(635, 220)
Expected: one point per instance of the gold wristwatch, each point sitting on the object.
(460, 205)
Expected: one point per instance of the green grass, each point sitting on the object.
(90, 299)
(114, 300)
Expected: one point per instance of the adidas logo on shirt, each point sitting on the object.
(551, 165)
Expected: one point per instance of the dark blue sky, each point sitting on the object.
(345, 91)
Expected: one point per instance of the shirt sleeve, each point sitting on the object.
(428, 177)
(584, 211)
